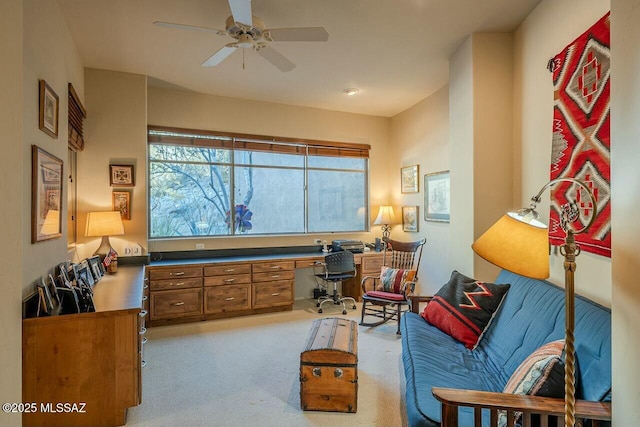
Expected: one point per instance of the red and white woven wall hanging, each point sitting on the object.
(581, 135)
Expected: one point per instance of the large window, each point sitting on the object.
(214, 184)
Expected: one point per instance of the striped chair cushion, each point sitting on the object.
(394, 280)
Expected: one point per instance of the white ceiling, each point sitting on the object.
(394, 51)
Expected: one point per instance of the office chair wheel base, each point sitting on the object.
(317, 304)
(344, 312)
(353, 306)
(320, 311)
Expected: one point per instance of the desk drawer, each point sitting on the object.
(169, 304)
(371, 265)
(272, 294)
(234, 279)
(178, 283)
(226, 298)
(175, 273)
(227, 269)
(273, 275)
(308, 263)
(266, 267)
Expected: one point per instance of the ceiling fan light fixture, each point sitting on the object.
(351, 91)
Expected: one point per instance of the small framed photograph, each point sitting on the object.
(121, 201)
(53, 290)
(46, 195)
(436, 196)
(121, 175)
(94, 264)
(410, 218)
(409, 179)
(46, 302)
(49, 107)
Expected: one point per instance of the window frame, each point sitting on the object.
(240, 141)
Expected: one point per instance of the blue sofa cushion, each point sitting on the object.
(463, 308)
(531, 315)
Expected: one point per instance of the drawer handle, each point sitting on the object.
(177, 284)
(275, 276)
(145, 287)
(275, 294)
(143, 313)
(275, 267)
(230, 299)
(177, 304)
(229, 270)
(144, 298)
(143, 331)
(230, 280)
(179, 273)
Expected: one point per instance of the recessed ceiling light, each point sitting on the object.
(351, 91)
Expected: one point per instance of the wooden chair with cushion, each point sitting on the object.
(386, 296)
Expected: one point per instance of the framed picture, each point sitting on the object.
(49, 102)
(121, 201)
(121, 175)
(436, 196)
(46, 302)
(94, 264)
(46, 195)
(410, 218)
(409, 179)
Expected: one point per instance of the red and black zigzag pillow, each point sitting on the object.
(464, 308)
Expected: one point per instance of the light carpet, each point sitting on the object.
(244, 371)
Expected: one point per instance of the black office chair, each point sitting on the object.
(338, 266)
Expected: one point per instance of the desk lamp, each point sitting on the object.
(385, 218)
(104, 224)
(518, 242)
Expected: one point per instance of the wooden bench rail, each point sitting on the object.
(451, 399)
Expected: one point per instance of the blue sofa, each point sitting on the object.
(532, 314)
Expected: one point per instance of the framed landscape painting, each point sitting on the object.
(46, 195)
(436, 196)
(410, 218)
(409, 179)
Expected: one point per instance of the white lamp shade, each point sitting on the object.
(515, 245)
(104, 224)
(385, 216)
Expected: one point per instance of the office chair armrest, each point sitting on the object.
(416, 300)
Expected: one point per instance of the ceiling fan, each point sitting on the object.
(250, 32)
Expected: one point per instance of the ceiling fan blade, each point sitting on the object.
(188, 27)
(219, 56)
(276, 58)
(303, 34)
(241, 11)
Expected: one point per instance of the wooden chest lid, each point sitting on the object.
(332, 341)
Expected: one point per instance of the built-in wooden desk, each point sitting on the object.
(187, 290)
(85, 369)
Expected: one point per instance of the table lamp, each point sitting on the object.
(518, 242)
(104, 224)
(385, 218)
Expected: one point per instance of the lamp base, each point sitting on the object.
(104, 248)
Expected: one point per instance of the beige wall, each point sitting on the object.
(481, 117)
(539, 38)
(49, 54)
(13, 189)
(625, 179)
(168, 107)
(420, 135)
(115, 133)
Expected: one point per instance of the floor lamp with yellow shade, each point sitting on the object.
(518, 242)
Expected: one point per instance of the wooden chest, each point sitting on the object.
(329, 367)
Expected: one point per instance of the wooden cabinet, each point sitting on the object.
(273, 284)
(227, 288)
(88, 358)
(175, 292)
